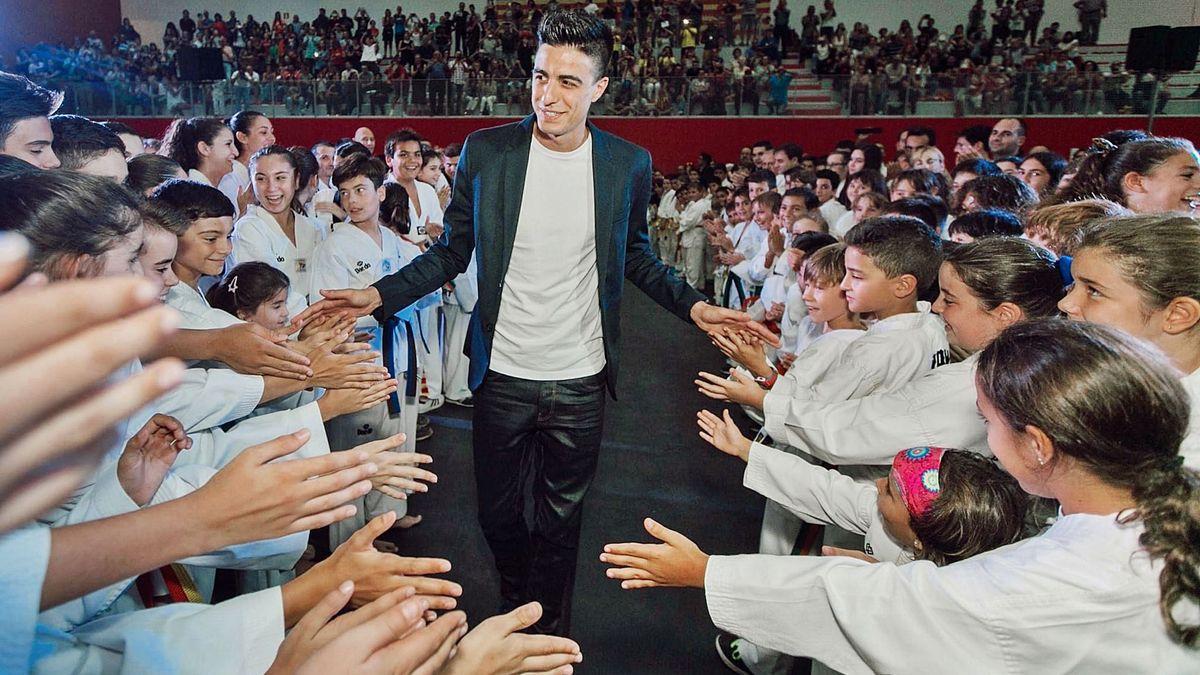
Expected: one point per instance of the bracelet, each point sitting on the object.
(768, 382)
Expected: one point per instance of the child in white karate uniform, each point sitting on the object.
(406, 154)
(1142, 275)
(1105, 589)
(276, 231)
(252, 131)
(357, 254)
(202, 252)
(985, 286)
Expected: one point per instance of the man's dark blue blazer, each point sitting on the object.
(481, 220)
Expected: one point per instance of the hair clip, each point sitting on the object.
(233, 285)
(1102, 146)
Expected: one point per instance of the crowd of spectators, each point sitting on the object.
(671, 58)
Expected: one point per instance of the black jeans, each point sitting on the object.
(550, 431)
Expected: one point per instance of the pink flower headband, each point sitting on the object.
(916, 471)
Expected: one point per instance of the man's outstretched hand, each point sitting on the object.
(347, 301)
(713, 319)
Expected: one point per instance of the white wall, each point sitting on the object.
(150, 16)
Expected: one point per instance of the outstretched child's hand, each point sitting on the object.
(675, 562)
(738, 388)
(723, 434)
(745, 349)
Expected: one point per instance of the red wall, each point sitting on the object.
(673, 141)
(27, 22)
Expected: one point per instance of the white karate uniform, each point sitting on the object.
(430, 334)
(324, 193)
(747, 239)
(24, 557)
(241, 635)
(935, 409)
(842, 226)
(350, 258)
(831, 211)
(668, 245)
(194, 310)
(819, 495)
(258, 237)
(1074, 599)
(431, 210)
(894, 351)
(796, 330)
(458, 306)
(1190, 448)
(693, 240)
(237, 180)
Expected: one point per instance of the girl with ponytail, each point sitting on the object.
(1147, 175)
(203, 146)
(1141, 274)
(1111, 586)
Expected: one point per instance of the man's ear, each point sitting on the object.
(600, 87)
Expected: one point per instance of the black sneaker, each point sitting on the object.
(729, 649)
(467, 402)
(424, 433)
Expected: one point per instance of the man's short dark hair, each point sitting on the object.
(399, 136)
(900, 245)
(988, 223)
(831, 176)
(976, 134)
(576, 28)
(452, 150)
(196, 200)
(322, 144)
(811, 200)
(371, 168)
(927, 132)
(761, 176)
(119, 128)
(762, 144)
(792, 151)
(78, 140)
(21, 99)
(977, 166)
(930, 209)
(350, 148)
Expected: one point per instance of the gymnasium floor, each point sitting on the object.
(652, 463)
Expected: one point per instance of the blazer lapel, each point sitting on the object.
(516, 161)
(604, 193)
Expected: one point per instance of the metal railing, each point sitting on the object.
(1023, 93)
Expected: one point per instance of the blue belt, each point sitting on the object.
(390, 327)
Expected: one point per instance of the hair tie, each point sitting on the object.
(1102, 146)
(233, 285)
(916, 471)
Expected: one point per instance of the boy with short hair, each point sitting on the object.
(358, 253)
(88, 147)
(25, 109)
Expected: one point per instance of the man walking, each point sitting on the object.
(553, 211)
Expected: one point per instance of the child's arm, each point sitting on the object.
(814, 494)
(936, 409)
(870, 364)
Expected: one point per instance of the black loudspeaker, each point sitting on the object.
(1184, 44)
(1147, 48)
(199, 64)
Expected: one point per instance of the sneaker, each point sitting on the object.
(467, 402)
(424, 433)
(729, 649)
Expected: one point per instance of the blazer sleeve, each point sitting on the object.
(445, 259)
(642, 267)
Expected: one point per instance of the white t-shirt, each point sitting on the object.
(549, 322)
